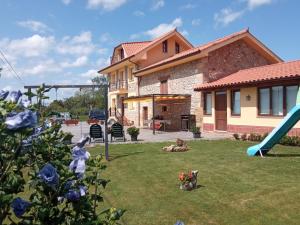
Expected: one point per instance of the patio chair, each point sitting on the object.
(96, 133)
(117, 132)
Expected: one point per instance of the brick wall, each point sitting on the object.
(232, 58)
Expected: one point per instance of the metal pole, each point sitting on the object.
(153, 114)
(105, 123)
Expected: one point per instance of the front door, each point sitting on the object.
(145, 115)
(221, 110)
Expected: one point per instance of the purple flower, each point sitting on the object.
(178, 222)
(49, 175)
(14, 96)
(19, 206)
(82, 142)
(73, 194)
(21, 120)
(3, 94)
(25, 103)
(79, 155)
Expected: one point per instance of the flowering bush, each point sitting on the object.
(63, 185)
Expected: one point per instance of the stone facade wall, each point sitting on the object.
(232, 58)
(181, 80)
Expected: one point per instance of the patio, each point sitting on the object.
(146, 135)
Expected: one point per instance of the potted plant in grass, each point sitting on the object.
(196, 132)
(133, 132)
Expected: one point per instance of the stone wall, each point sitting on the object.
(232, 58)
(181, 80)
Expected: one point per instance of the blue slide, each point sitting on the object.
(282, 129)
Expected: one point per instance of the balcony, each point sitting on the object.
(119, 85)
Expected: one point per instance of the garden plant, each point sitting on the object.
(43, 180)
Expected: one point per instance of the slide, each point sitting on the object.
(282, 129)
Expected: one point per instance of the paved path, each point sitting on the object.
(146, 135)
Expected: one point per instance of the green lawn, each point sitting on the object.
(236, 189)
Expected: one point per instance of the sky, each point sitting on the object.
(68, 41)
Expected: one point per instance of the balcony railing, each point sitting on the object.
(121, 84)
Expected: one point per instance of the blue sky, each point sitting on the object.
(67, 41)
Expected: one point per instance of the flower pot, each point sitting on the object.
(133, 137)
(197, 135)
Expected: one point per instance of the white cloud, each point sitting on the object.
(135, 36)
(45, 67)
(158, 4)
(35, 26)
(81, 61)
(252, 4)
(66, 2)
(77, 45)
(163, 28)
(90, 73)
(33, 46)
(139, 13)
(184, 33)
(107, 5)
(188, 6)
(196, 22)
(105, 37)
(84, 37)
(227, 16)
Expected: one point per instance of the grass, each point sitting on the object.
(236, 189)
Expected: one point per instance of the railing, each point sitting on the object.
(121, 84)
(121, 119)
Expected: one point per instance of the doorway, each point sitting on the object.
(145, 115)
(221, 110)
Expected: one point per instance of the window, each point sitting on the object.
(164, 108)
(165, 46)
(236, 102)
(207, 103)
(177, 48)
(164, 87)
(264, 101)
(277, 100)
(131, 74)
(291, 97)
(122, 53)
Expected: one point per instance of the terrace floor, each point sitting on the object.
(146, 135)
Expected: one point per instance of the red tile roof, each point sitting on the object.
(131, 48)
(195, 50)
(278, 71)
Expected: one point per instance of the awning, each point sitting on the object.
(156, 97)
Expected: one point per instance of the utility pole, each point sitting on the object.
(106, 118)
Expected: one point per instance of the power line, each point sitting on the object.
(14, 71)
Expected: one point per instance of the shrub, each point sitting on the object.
(133, 131)
(244, 137)
(195, 130)
(65, 187)
(236, 136)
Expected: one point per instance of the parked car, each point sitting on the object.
(97, 114)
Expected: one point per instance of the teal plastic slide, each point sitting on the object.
(282, 129)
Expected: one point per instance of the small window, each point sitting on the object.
(164, 108)
(236, 103)
(207, 103)
(177, 48)
(264, 101)
(165, 46)
(164, 87)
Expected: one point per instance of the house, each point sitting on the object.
(156, 79)
(251, 100)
